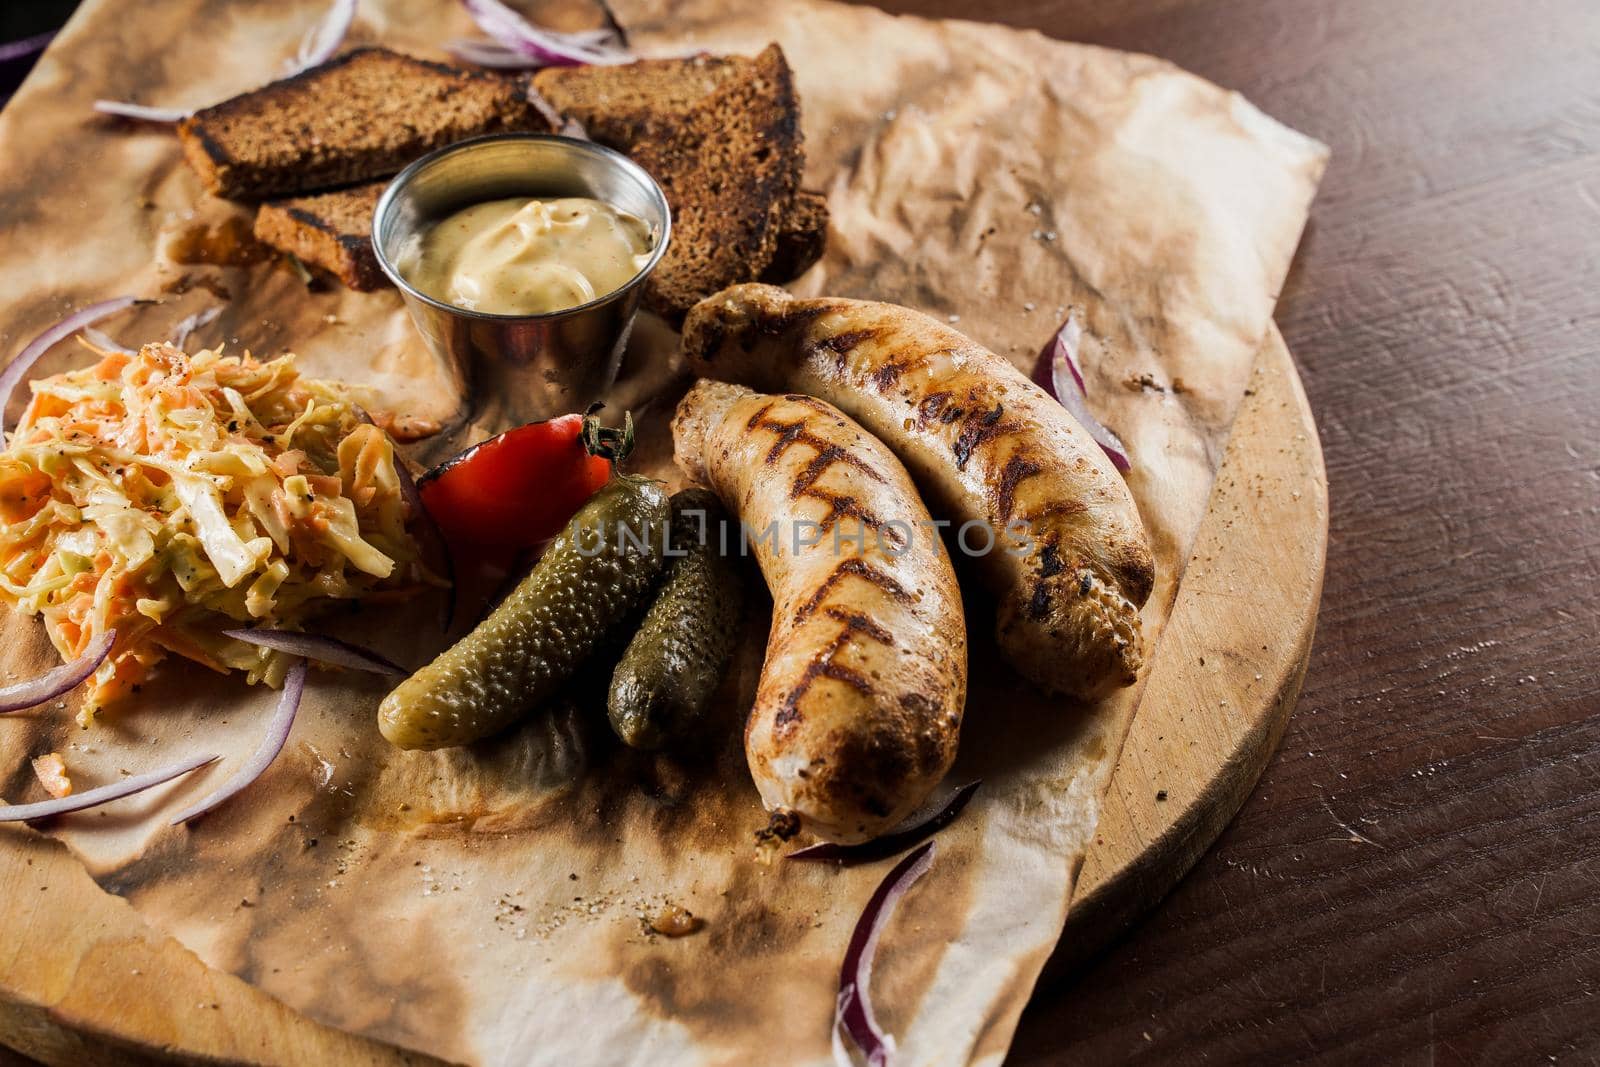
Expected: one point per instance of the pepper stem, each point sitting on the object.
(608, 442)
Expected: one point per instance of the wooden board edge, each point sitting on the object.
(1179, 783)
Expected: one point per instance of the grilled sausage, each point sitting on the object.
(859, 706)
(1070, 565)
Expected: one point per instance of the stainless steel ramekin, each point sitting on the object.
(521, 368)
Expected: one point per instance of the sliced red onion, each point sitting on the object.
(115, 791)
(294, 686)
(853, 1011)
(322, 40)
(28, 46)
(19, 367)
(565, 125)
(102, 340)
(320, 648)
(140, 112)
(546, 47)
(17, 59)
(1058, 372)
(497, 56)
(57, 680)
(893, 843)
(489, 54)
(181, 332)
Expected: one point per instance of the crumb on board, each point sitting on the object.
(673, 920)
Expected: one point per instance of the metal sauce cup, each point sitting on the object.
(521, 368)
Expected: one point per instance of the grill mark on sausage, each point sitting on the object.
(711, 338)
(797, 432)
(839, 345)
(890, 371)
(793, 315)
(860, 622)
(840, 505)
(1017, 470)
(822, 665)
(820, 463)
(932, 406)
(843, 505)
(980, 429)
(761, 414)
(813, 403)
(853, 567)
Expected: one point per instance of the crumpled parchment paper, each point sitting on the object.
(485, 906)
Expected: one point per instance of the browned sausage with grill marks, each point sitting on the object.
(858, 710)
(985, 445)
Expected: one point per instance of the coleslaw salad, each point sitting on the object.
(171, 497)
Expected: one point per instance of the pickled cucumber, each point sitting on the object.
(672, 667)
(594, 576)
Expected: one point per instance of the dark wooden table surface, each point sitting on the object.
(1415, 880)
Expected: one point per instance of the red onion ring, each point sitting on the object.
(853, 1011)
(181, 332)
(892, 843)
(58, 680)
(140, 112)
(565, 125)
(1058, 372)
(320, 648)
(115, 791)
(544, 47)
(489, 54)
(102, 340)
(322, 40)
(28, 46)
(294, 686)
(17, 368)
(497, 56)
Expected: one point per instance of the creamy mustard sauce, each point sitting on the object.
(527, 257)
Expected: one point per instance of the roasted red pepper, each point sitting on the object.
(520, 488)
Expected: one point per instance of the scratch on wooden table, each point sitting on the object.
(1355, 835)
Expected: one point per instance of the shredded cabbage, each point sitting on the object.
(172, 496)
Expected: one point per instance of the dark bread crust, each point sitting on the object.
(802, 239)
(328, 230)
(730, 169)
(362, 115)
(622, 105)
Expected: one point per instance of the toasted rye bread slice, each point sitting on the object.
(363, 115)
(801, 240)
(328, 230)
(622, 105)
(730, 168)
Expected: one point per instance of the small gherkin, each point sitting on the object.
(662, 687)
(590, 581)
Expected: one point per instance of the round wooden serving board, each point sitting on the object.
(84, 979)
